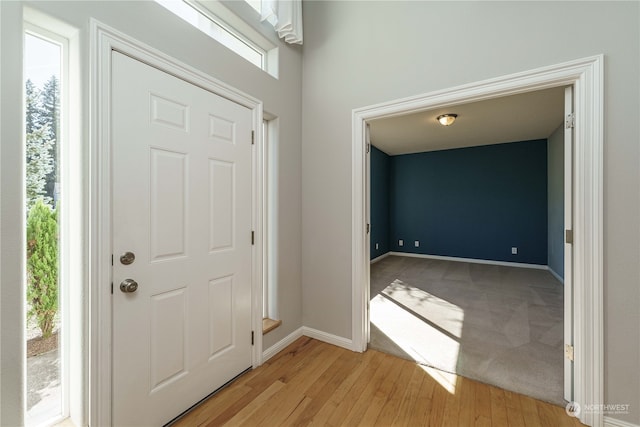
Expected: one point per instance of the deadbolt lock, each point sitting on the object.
(127, 258)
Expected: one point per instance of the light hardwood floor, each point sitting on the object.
(314, 383)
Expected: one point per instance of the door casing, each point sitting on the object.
(587, 78)
(104, 40)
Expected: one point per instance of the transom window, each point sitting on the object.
(222, 25)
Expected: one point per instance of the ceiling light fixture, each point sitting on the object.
(446, 119)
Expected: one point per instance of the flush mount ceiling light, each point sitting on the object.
(446, 119)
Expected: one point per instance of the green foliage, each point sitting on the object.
(39, 165)
(42, 111)
(50, 115)
(42, 265)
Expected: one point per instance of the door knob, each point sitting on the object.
(128, 286)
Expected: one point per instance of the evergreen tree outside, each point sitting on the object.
(32, 104)
(39, 165)
(49, 116)
(42, 108)
(42, 265)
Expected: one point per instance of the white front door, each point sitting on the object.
(181, 201)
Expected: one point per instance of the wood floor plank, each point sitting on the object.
(292, 394)
(452, 409)
(396, 393)
(498, 408)
(345, 406)
(529, 411)
(483, 405)
(311, 383)
(410, 399)
(467, 402)
(514, 411)
(326, 386)
(362, 403)
(438, 402)
(263, 398)
(381, 394)
(343, 389)
(420, 414)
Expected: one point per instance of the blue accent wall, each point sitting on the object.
(474, 202)
(379, 211)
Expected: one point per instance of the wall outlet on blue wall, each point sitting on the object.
(417, 243)
(514, 251)
(400, 242)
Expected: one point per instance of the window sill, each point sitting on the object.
(269, 325)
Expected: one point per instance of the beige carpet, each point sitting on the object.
(498, 325)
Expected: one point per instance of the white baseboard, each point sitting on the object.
(556, 275)
(281, 345)
(328, 338)
(308, 332)
(472, 260)
(612, 422)
(380, 258)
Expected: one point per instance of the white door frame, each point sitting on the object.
(104, 40)
(587, 77)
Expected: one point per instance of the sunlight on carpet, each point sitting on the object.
(402, 312)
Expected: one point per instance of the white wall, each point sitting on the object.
(154, 25)
(360, 53)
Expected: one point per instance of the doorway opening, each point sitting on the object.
(586, 76)
(460, 236)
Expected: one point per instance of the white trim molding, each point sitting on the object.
(307, 332)
(556, 275)
(328, 338)
(612, 422)
(281, 345)
(471, 260)
(104, 40)
(586, 77)
(380, 258)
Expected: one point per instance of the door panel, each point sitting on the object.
(181, 201)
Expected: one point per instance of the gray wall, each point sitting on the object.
(360, 53)
(555, 201)
(155, 26)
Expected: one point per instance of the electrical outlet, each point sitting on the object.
(400, 242)
(377, 246)
(514, 251)
(416, 243)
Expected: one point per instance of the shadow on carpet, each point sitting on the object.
(498, 325)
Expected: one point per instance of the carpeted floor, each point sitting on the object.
(499, 325)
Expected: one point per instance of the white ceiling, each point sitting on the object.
(523, 117)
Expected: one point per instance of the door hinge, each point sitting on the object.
(369, 147)
(253, 137)
(368, 228)
(568, 236)
(111, 288)
(252, 335)
(570, 121)
(111, 259)
(253, 237)
(568, 351)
